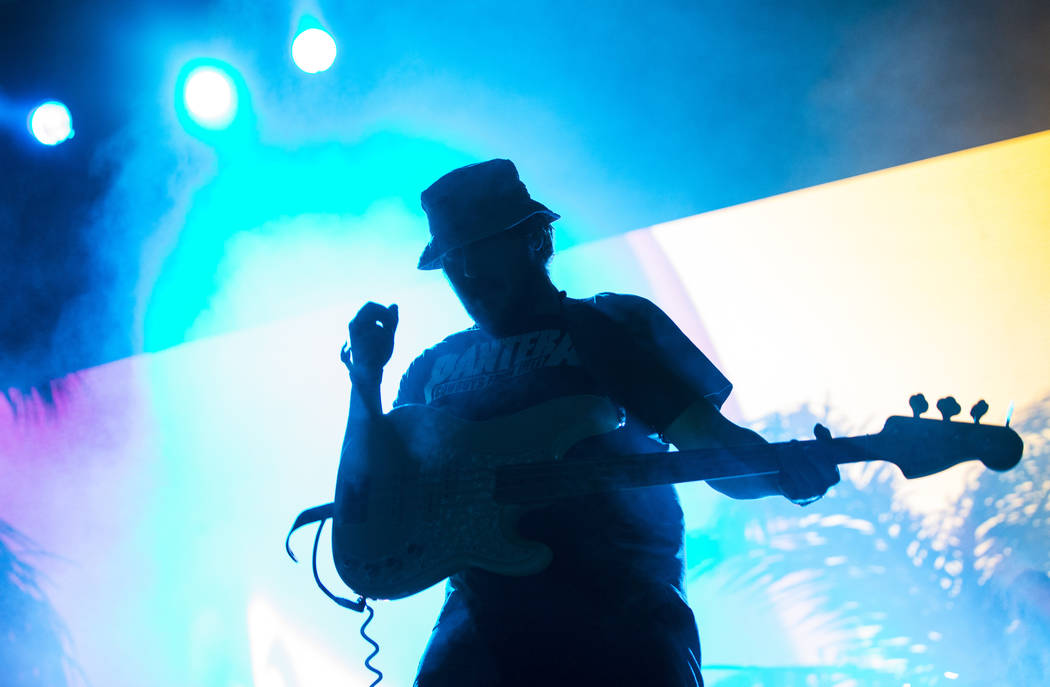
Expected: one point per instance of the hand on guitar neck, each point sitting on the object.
(801, 481)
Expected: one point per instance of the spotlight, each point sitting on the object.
(210, 97)
(51, 123)
(313, 50)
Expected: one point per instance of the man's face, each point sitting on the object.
(494, 278)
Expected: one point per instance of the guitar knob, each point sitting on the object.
(978, 411)
(918, 405)
(949, 407)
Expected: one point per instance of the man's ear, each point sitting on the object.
(536, 242)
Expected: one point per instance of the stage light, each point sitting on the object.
(313, 50)
(210, 97)
(51, 123)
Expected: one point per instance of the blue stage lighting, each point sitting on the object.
(313, 50)
(210, 97)
(51, 123)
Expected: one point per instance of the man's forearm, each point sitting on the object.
(365, 396)
(369, 441)
(366, 440)
(702, 426)
(746, 487)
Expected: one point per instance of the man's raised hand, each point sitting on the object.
(371, 341)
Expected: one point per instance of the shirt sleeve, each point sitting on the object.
(662, 372)
(410, 390)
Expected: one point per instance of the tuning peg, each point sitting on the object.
(949, 407)
(978, 411)
(918, 405)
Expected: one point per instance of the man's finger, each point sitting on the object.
(823, 474)
(389, 317)
(828, 470)
(371, 313)
(830, 475)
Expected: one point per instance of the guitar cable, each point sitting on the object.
(320, 515)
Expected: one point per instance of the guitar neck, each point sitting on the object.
(531, 483)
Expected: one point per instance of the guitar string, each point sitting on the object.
(544, 470)
(483, 481)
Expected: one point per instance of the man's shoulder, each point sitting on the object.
(619, 306)
(413, 379)
(452, 342)
(464, 337)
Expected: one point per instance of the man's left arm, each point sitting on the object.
(702, 425)
(667, 372)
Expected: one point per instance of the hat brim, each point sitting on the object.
(432, 254)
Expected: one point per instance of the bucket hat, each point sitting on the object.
(473, 203)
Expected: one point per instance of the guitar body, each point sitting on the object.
(428, 512)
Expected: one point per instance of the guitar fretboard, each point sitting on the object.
(538, 482)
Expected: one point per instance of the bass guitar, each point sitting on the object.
(452, 498)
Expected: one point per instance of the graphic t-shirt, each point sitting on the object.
(616, 553)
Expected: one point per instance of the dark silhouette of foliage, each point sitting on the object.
(33, 639)
(958, 594)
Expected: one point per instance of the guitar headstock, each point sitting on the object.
(923, 446)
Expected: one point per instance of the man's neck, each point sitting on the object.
(539, 299)
(547, 297)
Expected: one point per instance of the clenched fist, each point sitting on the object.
(371, 340)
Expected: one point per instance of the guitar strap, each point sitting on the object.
(320, 514)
